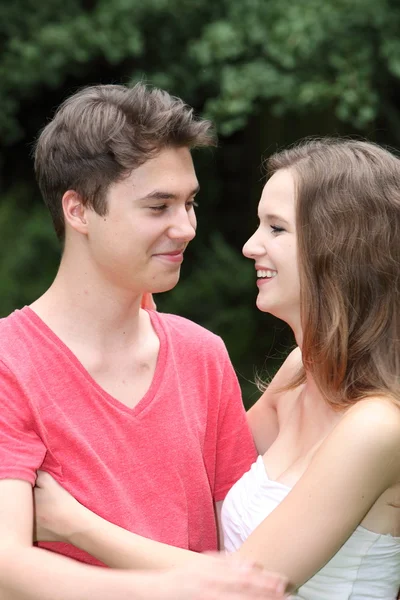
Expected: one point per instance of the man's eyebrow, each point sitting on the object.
(160, 195)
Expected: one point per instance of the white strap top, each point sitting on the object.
(367, 566)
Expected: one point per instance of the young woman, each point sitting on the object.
(322, 502)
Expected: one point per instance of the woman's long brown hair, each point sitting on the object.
(348, 233)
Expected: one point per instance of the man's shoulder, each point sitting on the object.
(189, 332)
(8, 321)
(186, 327)
(15, 337)
(10, 328)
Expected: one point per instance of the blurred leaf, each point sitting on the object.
(29, 250)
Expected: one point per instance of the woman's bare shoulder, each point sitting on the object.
(375, 412)
(371, 427)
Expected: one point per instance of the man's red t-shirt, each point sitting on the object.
(155, 469)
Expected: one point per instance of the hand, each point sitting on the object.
(56, 511)
(224, 579)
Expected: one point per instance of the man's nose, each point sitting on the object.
(184, 227)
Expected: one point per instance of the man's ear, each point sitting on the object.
(74, 211)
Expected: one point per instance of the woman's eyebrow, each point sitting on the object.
(273, 217)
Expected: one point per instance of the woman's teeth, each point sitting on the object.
(267, 273)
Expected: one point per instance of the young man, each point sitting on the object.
(136, 413)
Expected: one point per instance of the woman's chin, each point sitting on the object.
(265, 306)
(272, 309)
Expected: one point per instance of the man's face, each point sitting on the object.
(139, 244)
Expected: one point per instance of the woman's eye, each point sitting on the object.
(276, 229)
(159, 208)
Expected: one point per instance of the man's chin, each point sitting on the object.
(166, 286)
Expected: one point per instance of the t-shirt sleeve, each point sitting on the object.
(21, 450)
(235, 449)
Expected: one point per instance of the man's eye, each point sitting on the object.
(159, 208)
(191, 204)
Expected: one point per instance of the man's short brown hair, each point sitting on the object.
(101, 133)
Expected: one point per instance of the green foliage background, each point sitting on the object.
(267, 71)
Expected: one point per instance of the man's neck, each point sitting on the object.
(83, 309)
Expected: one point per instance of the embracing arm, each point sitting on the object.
(28, 573)
(356, 463)
(61, 518)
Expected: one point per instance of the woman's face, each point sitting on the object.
(273, 247)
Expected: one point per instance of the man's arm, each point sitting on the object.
(61, 518)
(34, 574)
(28, 573)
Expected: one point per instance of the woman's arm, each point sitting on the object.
(356, 463)
(59, 517)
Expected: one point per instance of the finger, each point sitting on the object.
(273, 584)
(274, 579)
